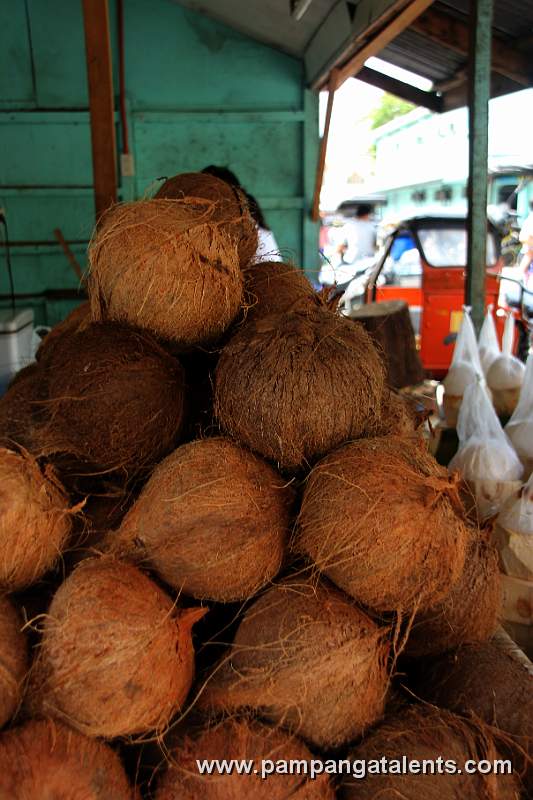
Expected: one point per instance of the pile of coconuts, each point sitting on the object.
(223, 537)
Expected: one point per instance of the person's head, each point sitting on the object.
(363, 211)
(224, 174)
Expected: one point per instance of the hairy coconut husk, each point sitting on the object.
(237, 740)
(116, 656)
(168, 266)
(398, 416)
(46, 760)
(13, 660)
(468, 613)
(271, 287)
(231, 204)
(35, 522)
(383, 521)
(483, 680)
(293, 386)
(425, 733)
(212, 521)
(306, 657)
(115, 401)
(78, 319)
(22, 410)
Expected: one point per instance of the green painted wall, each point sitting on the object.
(197, 93)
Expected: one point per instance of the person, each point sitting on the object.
(359, 236)
(267, 249)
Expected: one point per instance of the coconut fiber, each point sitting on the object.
(239, 740)
(212, 521)
(425, 733)
(304, 656)
(230, 204)
(46, 760)
(13, 659)
(293, 386)
(116, 656)
(383, 520)
(23, 409)
(168, 266)
(77, 320)
(271, 287)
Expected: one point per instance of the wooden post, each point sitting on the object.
(323, 147)
(478, 113)
(101, 102)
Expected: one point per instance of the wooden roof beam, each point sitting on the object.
(412, 94)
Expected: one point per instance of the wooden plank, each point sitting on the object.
(381, 39)
(101, 102)
(398, 88)
(323, 147)
(454, 34)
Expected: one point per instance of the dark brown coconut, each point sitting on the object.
(46, 760)
(304, 656)
(237, 740)
(383, 521)
(293, 386)
(424, 733)
(77, 320)
(116, 656)
(271, 287)
(469, 613)
(22, 410)
(13, 659)
(212, 521)
(397, 416)
(115, 401)
(168, 266)
(35, 521)
(230, 203)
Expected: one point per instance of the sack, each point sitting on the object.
(488, 345)
(506, 373)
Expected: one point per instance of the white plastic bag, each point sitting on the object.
(488, 345)
(506, 373)
(464, 369)
(513, 534)
(485, 458)
(519, 429)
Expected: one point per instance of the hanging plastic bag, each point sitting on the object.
(513, 536)
(464, 369)
(485, 458)
(506, 373)
(488, 345)
(519, 429)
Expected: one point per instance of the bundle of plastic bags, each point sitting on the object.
(506, 373)
(519, 429)
(464, 369)
(485, 457)
(488, 345)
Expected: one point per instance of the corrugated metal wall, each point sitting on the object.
(197, 93)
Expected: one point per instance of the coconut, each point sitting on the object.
(13, 658)
(384, 522)
(293, 386)
(212, 521)
(116, 656)
(459, 376)
(239, 740)
(35, 521)
(505, 377)
(272, 287)
(43, 759)
(230, 204)
(22, 410)
(116, 400)
(169, 266)
(424, 734)
(78, 319)
(398, 416)
(306, 657)
(469, 613)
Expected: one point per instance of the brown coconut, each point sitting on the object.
(293, 386)
(116, 656)
(23, 410)
(46, 760)
(116, 401)
(13, 659)
(238, 740)
(469, 612)
(306, 657)
(398, 416)
(423, 734)
(212, 521)
(77, 320)
(168, 266)
(230, 204)
(383, 521)
(271, 287)
(35, 521)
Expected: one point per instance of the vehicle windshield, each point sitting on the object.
(446, 247)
